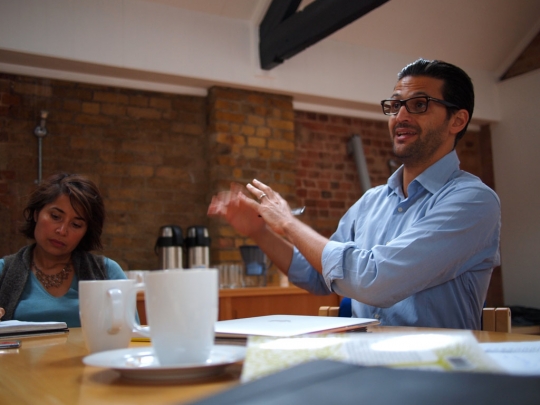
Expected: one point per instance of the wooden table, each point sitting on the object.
(49, 370)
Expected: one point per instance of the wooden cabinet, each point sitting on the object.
(247, 302)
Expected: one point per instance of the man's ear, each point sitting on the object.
(458, 121)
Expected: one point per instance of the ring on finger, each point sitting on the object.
(262, 196)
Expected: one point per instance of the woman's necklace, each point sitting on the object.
(54, 280)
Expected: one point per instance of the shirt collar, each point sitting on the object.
(432, 179)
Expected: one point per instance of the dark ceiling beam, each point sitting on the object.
(527, 61)
(284, 32)
(277, 12)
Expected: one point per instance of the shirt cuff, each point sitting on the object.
(300, 269)
(332, 262)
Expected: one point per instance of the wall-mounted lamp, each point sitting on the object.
(41, 132)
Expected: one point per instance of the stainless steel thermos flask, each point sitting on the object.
(198, 247)
(169, 247)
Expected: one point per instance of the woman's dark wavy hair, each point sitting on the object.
(457, 85)
(85, 199)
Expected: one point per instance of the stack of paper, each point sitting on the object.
(444, 351)
(519, 358)
(289, 325)
(21, 329)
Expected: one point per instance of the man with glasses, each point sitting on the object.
(418, 251)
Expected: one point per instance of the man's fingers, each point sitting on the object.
(263, 187)
(257, 193)
(238, 188)
(246, 200)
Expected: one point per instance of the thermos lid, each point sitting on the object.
(197, 236)
(170, 235)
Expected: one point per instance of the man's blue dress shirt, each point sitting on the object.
(422, 260)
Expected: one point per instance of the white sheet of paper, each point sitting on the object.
(14, 326)
(519, 358)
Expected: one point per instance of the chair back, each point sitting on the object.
(493, 319)
(344, 310)
(497, 319)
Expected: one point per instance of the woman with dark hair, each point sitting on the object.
(64, 216)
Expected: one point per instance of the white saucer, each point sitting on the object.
(140, 363)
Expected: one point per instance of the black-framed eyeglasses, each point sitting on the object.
(414, 105)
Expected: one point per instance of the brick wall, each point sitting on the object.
(326, 177)
(158, 158)
(144, 150)
(251, 135)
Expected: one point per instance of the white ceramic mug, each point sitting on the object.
(102, 308)
(137, 275)
(181, 309)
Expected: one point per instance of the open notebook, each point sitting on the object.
(289, 325)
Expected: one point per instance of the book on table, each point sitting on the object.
(14, 328)
(288, 325)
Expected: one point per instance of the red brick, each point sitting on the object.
(86, 119)
(72, 105)
(32, 89)
(227, 105)
(146, 113)
(138, 100)
(7, 99)
(229, 117)
(161, 103)
(91, 108)
(110, 97)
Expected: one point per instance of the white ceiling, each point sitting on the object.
(478, 34)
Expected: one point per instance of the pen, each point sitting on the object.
(297, 211)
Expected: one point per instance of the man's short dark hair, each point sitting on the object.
(84, 197)
(457, 88)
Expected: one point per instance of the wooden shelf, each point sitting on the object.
(527, 330)
(248, 302)
(258, 291)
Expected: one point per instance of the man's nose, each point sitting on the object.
(402, 113)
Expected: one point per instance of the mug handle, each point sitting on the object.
(115, 300)
(130, 312)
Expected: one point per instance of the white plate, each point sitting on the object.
(140, 363)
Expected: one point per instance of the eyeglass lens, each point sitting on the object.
(415, 105)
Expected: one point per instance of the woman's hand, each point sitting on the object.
(2, 313)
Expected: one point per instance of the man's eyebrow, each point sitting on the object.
(417, 94)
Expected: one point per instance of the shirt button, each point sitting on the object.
(377, 316)
(400, 209)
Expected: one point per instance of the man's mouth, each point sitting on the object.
(404, 133)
